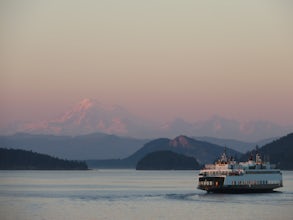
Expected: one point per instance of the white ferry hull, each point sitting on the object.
(241, 189)
(249, 183)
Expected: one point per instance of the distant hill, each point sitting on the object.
(204, 152)
(12, 159)
(240, 146)
(167, 160)
(279, 152)
(82, 147)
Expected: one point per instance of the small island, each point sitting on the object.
(14, 159)
(167, 160)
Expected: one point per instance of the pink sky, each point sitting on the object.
(158, 59)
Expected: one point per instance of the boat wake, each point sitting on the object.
(185, 197)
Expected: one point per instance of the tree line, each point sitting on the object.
(15, 159)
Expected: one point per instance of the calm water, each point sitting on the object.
(130, 194)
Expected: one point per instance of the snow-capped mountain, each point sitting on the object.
(220, 127)
(88, 116)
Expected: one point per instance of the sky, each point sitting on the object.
(159, 59)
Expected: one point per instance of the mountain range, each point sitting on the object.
(204, 152)
(91, 116)
(279, 152)
(98, 145)
(223, 128)
(88, 116)
(101, 146)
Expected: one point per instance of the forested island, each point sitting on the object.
(12, 159)
(167, 160)
(278, 152)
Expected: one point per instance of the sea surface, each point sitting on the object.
(131, 194)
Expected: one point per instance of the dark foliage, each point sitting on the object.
(12, 159)
(167, 160)
(279, 152)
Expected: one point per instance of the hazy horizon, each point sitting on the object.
(90, 116)
(158, 59)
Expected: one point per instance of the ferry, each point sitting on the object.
(228, 176)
